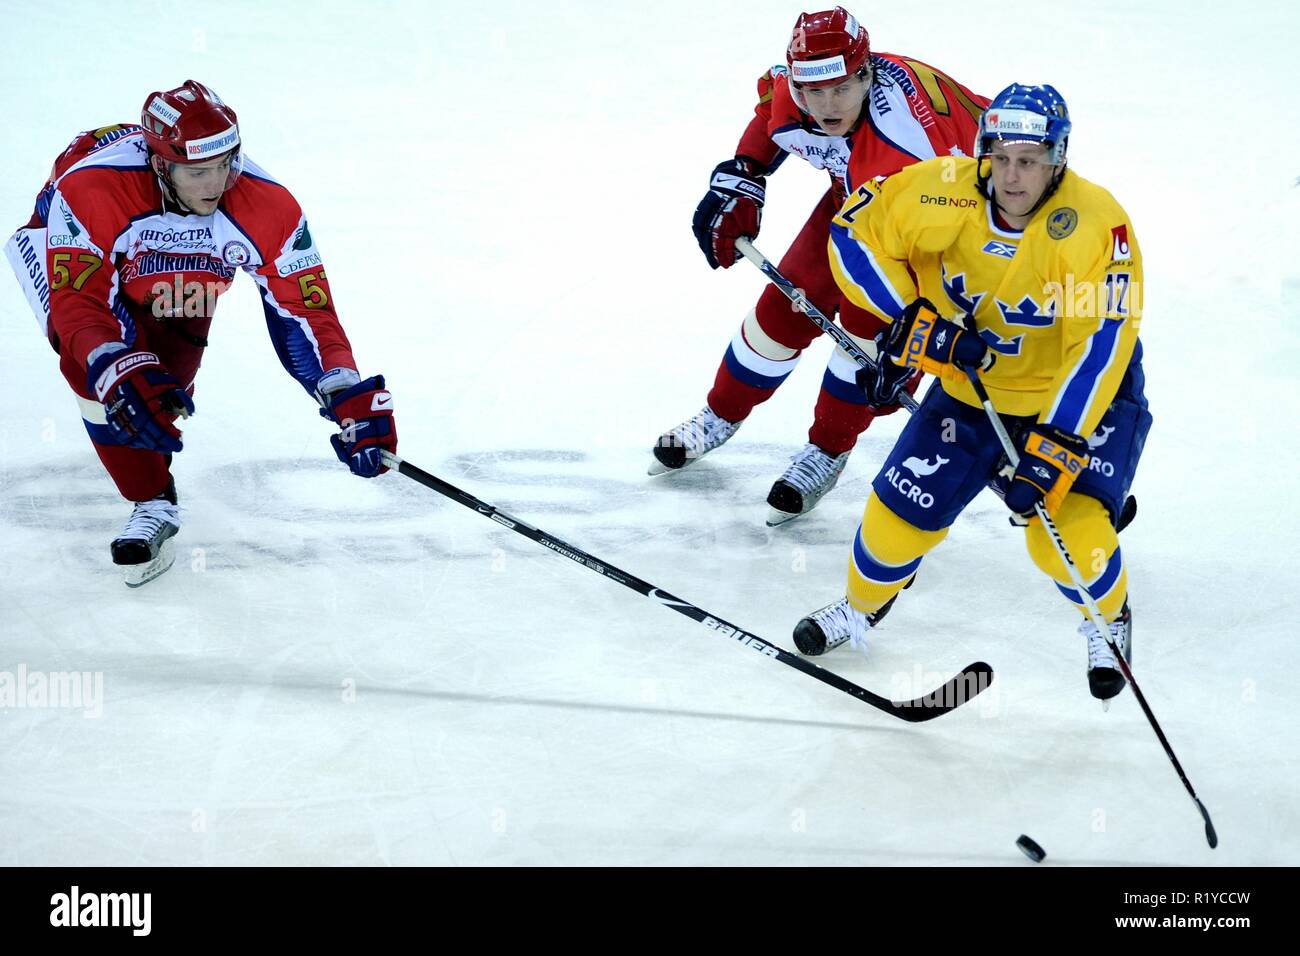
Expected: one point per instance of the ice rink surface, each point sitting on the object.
(349, 672)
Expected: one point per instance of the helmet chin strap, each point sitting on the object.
(1047, 193)
(985, 185)
(168, 188)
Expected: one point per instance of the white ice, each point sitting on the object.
(349, 672)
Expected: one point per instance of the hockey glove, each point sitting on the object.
(364, 412)
(1051, 460)
(733, 207)
(141, 399)
(920, 338)
(885, 384)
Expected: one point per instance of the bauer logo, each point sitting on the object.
(749, 640)
(131, 361)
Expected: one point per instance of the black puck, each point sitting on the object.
(1030, 849)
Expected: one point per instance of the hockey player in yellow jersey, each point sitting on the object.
(1012, 264)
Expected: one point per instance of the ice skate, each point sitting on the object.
(828, 628)
(812, 473)
(1105, 679)
(144, 548)
(690, 441)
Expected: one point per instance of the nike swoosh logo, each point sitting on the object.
(381, 401)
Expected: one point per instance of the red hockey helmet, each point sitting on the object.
(189, 124)
(826, 47)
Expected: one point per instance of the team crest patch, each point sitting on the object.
(235, 253)
(1062, 222)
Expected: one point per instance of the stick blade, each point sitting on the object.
(970, 682)
(1211, 837)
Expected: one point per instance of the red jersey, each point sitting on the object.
(913, 112)
(117, 258)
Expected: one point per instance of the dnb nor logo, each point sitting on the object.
(1120, 250)
(1062, 222)
(235, 253)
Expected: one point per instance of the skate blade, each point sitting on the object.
(141, 574)
(657, 467)
(775, 517)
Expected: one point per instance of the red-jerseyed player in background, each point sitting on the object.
(134, 237)
(859, 115)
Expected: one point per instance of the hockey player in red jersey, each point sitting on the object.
(858, 115)
(134, 237)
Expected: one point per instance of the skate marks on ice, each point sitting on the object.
(281, 509)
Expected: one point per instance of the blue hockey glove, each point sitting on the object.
(364, 412)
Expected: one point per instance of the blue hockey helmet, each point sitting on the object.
(1026, 114)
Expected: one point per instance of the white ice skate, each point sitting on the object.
(1105, 679)
(812, 473)
(690, 441)
(144, 548)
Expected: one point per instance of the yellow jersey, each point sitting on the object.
(1059, 302)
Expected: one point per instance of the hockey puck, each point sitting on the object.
(1030, 849)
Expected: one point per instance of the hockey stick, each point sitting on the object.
(819, 319)
(1094, 612)
(971, 681)
(847, 343)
